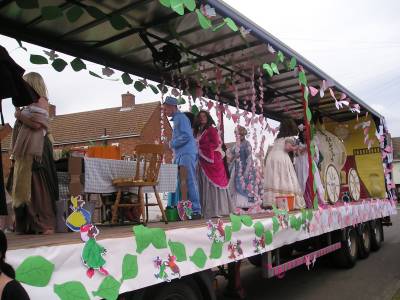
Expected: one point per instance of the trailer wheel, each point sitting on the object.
(346, 256)
(364, 242)
(177, 290)
(376, 234)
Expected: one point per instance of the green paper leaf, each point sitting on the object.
(274, 68)
(195, 110)
(293, 63)
(181, 101)
(94, 12)
(275, 225)
(95, 75)
(219, 26)
(177, 6)
(130, 267)
(126, 78)
(268, 237)
(27, 4)
(59, 64)
(309, 114)
(71, 290)
(154, 89)
(178, 250)
(199, 258)
(142, 236)
(166, 3)
(247, 220)
(74, 13)
(302, 78)
(231, 24)
(216, 250)
(118, 22)
(236, 223)
(139, 86)
(162, 89)
(190, 4)
(77, 64)
(303, 216)
(259, 229)
(269, 70)
(108, 289)
(38, 59)
(51, 12)
(306, 94)
(309, 215)
(35, 271)
(205, 23)
(292, 221)
(280, 56)
(228, 233)
(159, 239)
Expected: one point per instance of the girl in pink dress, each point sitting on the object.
(213, 180)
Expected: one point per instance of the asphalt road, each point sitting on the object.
(374, 278)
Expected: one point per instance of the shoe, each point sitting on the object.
(196, 216)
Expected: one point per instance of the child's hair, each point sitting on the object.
(5, 267)
(35, 80)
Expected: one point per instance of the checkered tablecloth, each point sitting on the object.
(99, 174)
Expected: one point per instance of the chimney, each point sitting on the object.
(52, 111)
(128, 100)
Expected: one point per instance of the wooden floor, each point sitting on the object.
(16, 241)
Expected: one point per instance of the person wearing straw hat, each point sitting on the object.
(185, 151)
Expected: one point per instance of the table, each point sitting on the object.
(99, 174)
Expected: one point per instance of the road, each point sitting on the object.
(374, 278)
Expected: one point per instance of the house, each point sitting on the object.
(128, 125)
(396, 163)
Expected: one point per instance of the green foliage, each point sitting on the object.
(275, 224)
(216, 250)
(259, 229)
(178, 250)
(177, 6)
(205, 23)
(166, 3)
(108, 289)
(280, 57)
(190, 4)
(236, 222)
(35, 271)
(59, 64)
(199, 258)
(274, 68)
(126, 78)
(38, 59)
(268, 69)
(228, 233)
(247, 220)
(268, 237)
(118, 22)
(130, 267)
(27, 4)
(145, 236)
(74, 13)
(51, 12)
(231, 24)
(139, 86)
(71, 290)
(302, 78)
(293, 63)
(77, 64)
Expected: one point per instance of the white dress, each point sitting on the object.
(280, 178)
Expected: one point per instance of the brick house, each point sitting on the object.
(128, 125)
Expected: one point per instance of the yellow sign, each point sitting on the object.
(368, 161)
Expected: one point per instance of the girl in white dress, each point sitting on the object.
(280, 178)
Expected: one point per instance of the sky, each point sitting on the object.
(356, 42)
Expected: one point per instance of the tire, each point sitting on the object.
(377, 235)
(346, 256)
(364, 240)
(255, 260)
(176, 290)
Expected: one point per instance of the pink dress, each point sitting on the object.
(211, 159)
(213, 181)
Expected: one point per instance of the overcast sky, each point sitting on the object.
(356, 42)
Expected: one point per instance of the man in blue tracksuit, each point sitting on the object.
(185, 152)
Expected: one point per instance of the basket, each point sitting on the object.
(172, 214)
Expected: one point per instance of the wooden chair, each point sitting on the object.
(148, 162)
